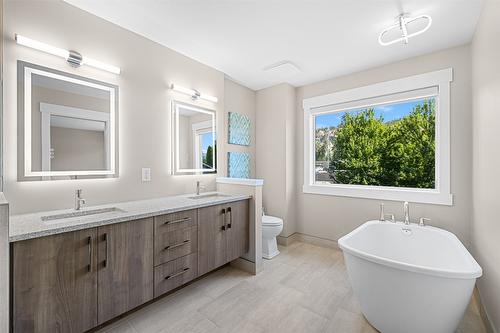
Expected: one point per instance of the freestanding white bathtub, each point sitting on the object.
(408, 278)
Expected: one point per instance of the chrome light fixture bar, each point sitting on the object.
(402, 24)
(195, 94)
(74, 58)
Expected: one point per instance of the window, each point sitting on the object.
(204, 147)
(386, 141)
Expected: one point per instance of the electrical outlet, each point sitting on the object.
(146, 174)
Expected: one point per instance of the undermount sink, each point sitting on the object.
(208, 196)
(80, 213)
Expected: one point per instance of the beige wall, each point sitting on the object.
(45, 95)
(185, 144)
(332, 217)
(276, 152)
(241, 100)
(76, 149)
(144, 100)
(486, 157)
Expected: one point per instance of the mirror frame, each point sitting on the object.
(176, 170)
(25, 172)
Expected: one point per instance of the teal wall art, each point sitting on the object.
(238, 165)
(239, 129)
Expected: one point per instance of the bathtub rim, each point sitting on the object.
(473, 273)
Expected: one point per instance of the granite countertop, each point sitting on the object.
(27, 226)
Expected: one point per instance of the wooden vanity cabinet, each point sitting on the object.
(237, 229)
(125, 267)
(211, 238)
(72, 282)
(223, 233)
(54, 283)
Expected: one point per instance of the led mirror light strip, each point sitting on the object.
(195, 94)
(68, 55)
(402, 24)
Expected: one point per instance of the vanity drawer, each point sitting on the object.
(175, 273)
(175, 244)
(175, 221)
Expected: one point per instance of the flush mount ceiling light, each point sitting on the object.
(402, 24)
(195, 94)
(74, 58)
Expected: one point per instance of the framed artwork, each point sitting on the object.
(238, 165)
(239, 129)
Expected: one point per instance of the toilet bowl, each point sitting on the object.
(271, 227)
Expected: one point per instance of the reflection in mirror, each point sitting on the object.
(69, 125)
(194, 139)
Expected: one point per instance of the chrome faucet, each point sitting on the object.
(423, 221)
(79, 201)
(382, 214)
(198, 187)
(406, 211)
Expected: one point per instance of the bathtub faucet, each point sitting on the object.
(406, 211)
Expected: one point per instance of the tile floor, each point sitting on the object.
(304, 289)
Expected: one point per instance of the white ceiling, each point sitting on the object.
(323, 38)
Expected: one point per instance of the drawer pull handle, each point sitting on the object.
(177, 245)
(223, 219)
(184, 219)
(230, 217)
(89, 240)
(106, 239)
(177, 274)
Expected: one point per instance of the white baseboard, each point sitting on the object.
(288, 240)
(245, 265)
(299, 237)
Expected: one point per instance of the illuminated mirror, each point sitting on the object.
(69, 125)
(194, 139)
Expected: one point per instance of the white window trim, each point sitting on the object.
(343, 99)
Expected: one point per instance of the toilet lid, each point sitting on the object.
(271, 220)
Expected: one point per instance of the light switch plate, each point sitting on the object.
(146, 174)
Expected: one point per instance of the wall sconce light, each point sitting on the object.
(195, 94)
(73, 58)
(402, 24)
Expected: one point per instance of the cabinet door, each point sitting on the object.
(211, 238)
(125, 259)
(54, 283)
(238, 229)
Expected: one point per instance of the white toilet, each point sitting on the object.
(271, 227)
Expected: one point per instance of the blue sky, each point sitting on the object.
(206, 140)
(388, 112)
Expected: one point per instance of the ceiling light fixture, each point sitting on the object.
(402, 24)
(195, 94)
(74, 58)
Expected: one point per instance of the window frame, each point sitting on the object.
(198, 130)
(407, 88)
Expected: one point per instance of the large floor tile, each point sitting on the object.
(305, 289)
(346, 321)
